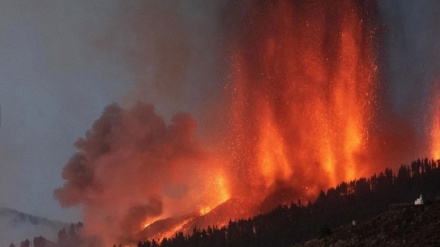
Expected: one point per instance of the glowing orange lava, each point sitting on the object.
(303, 83)
(435, 128)
(147, 224)
(172, 232)
(205, 210)
(218, 190)
(219, 193)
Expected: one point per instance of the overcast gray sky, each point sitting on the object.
(53, 84)
(62, 62)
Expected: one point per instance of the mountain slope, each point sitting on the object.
(16, 226)
(398, 226)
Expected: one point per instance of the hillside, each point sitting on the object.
(398, 226)
(16, 226)
(288, 224)
(295, 223)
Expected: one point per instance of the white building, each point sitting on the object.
(419, 201)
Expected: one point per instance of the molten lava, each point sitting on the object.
(435, 126)
(302, 95)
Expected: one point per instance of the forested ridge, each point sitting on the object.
(299, 221)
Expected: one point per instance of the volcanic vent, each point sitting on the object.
(302, 95)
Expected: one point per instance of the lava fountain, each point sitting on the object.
(435, 124)
(302, 95)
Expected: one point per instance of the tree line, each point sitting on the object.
(72, 236)
(296, 222)
(286, 225)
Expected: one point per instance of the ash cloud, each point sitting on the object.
(136, 214)
(175, 51)
(131, 165)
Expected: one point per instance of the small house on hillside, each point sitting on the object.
(419, 201)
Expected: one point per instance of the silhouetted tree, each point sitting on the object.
(286, 225)
(25, 243)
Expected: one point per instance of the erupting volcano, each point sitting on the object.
(133, 169)
(302, 106)
(302, 95)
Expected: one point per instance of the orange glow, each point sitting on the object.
(171, 233)
(301, 93)
(435, 135)
(147, 223)
(222, 190)
(435, 128)
(218, 191)
(301, 96)
(205, 210)
(271, 154)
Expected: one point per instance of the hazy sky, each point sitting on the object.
(62, 62)
(53, 84)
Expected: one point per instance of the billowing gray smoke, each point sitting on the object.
(174, 50)
(132, 167)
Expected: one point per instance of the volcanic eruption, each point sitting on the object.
(132, 169)
(302, 95)
(303, 113)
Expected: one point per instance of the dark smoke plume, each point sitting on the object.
(129, 167)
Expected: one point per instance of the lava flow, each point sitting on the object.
(302, 95)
